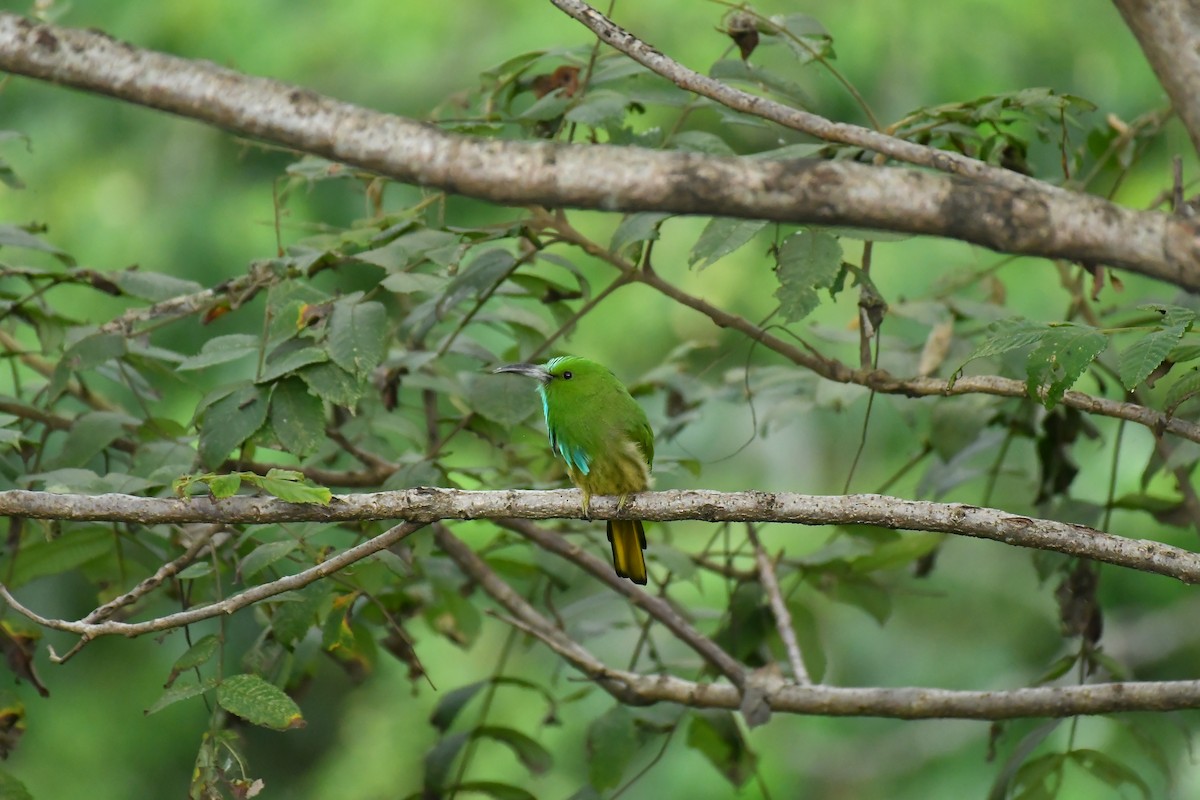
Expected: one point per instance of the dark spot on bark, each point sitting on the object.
(47, 40)
(999, 218)
(304, 100)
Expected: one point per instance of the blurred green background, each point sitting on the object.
(119, 185)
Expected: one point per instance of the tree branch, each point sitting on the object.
(429, 504)
(900, 703)
(1167, 31)
(1044, 221)
(91, 630)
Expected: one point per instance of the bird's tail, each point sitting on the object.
(628, 539)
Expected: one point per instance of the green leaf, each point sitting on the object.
(535, 757)
(181, 691)
(221, 350)
(294, 488)
(721, 237)
(297, 417)
(11, 788)
(1009, 334)
(265, 555)
(808, 260)
(332, 383)
(199, 653)
(1137, 361)
(600, 108)
(1184, 389)
(290, 359)
(225, 485)
(640, 227)
(451, 703)
(716, 736)
(501, 398)
(1109, 770)
(439, 760)
(808, 636)
(357, 335)
(1038, 778)
(70, 550)
(896, 553)
(291, 620)
(153, 286)
(89, 435)
(501, 791)
(230, 421)
(13, 236)
(413, 282)
(258, 702)
(612, 743)
(194, 571)
(1059, 359)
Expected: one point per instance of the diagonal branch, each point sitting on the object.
(1043, 221)
(1167, 31)
(429, 504)
(91, 630)
(899, 703)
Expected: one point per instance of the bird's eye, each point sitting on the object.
(567, 375)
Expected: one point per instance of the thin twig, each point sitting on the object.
(783, 617)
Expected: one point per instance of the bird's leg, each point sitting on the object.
(587, 498)
(621, 502)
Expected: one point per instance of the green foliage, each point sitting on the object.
(355, 355)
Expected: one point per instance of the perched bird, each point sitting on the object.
(601, 433)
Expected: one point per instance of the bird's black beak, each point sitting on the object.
(535, 371)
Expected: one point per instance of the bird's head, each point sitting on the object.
(563, 376)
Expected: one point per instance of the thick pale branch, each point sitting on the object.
(1168, 31)
(1045, 221)
(429, 504)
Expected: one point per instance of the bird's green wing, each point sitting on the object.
(643, 437)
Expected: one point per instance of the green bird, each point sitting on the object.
(600, 431)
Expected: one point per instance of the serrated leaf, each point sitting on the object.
(199, 653)
(1137, 361)
(640, 227)
(1059, 359)
(1184, 389)
(716, 736)
(230, 421)
(297, 417)
(1009, 334)
(264, 556)
(808, 260)
(221, 350)
(611, 744)
(259, 702)
(721, 237)
(501, 399)
(535, 757)
(290, 621)
(330, 382)
(357, 336)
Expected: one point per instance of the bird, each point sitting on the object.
(602, 435)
